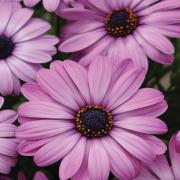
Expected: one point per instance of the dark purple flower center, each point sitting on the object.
(6, 47)
(94, 121)
(121, 22)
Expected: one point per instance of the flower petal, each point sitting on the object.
(99, 77)
(33, 92)
(5, 14)
(142, 124)
(98, 163)
(81, 41)
(175, 157)
(52, 84)
(51, 5)
(134, 145)
(43, 109)
(6, 82)
(125, 87)
(71, 163)
(120, 161)
(47, 155)
(18, 20)
(23, 70)
(41, 129)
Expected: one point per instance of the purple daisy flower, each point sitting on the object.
(95, 120)
(50, 5)
(23, 46)
(132, 28)
(8, 143)
(160, 168)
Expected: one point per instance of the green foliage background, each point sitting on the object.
(165, 78)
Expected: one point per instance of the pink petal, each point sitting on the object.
(152, 51)
(32, 91)
(43, 109)
(18, 20)
(136, 52)
(79, 76)
(82, 173)
(54, 151)
(125, 87)
(23, 70)
(151, 111)
(29, 148)
(175, 157)
(100, 47)
(8, 116)
(7, 130)
(51, 5)
(156, 39)
(120, 161)
(78, 27)
(42, 43)
(5, 14)
(101, 5)
(6, 82)
(40, 176)
(71, 163)
(76, 14)
(178, 142)
(66, 71)
(142, 124)
(146, 174)
(160, 6)
(145, 4)
(161, 168)
(81, 41)
(1, 101)
(51, 83)
(156, 144)
(162, 18)
(33, 29)
(32, 56)
(8, 147)
(134, 145)
(99, 77)
(98, 163)
(30, 3)
(143, 98)
(41, 129)
(120, 66)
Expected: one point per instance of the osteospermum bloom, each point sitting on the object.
(160, 168)
(50, 5)
(23, 46)
(8, 143)
(21, 176)
(95, 120)
(132, 28)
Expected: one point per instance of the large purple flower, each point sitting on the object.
(23, 46)
(95, 120)
(160, 168)
(8, 143)
(131, 28)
